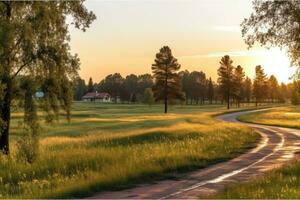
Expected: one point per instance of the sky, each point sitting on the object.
(128, 33)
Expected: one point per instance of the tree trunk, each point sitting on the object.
(5, 117)
(228, 101)
(5, 106)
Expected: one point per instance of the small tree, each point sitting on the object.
(80, 89)
(148, 97)
(210, 92)
(225, 79)
(91, 85)
(167, 84)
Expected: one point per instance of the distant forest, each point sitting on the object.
(232, 86)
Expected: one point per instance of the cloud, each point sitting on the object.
(232, 29)
(230, 53)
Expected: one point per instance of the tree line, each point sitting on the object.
(169, 85)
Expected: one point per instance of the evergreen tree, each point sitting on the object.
(167, 84)
(239, 76)
(259, 85)
(91, 85)
(225, 79)
(34, 41)
(273, 88)
(248, 89)
(80, 89)
(210, 92)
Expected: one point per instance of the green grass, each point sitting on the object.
(283, 183)
(109, 147)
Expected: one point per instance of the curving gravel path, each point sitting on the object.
(277, 146)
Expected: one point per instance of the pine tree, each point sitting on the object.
(248, 89)
(259, 85)
(90, 85)
(225, 79)
(273, 88)
(239, 76)
(167, 84)
(210, 92)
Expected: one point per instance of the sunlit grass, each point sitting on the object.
(284, 116)
(282, 183)
(115, 146)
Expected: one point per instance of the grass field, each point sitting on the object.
(283, 183)
(115, 146)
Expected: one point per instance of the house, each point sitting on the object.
(99, 97)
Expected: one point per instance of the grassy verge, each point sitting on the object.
(116, 146)
(283, 183)
(282, 116)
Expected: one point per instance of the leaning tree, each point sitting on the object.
(275, 23)
(35, 56)
(167, 83)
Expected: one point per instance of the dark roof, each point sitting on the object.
(96, 95)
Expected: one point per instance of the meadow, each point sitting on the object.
(283, 183)
(110, 147)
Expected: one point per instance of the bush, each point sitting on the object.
(28, 146)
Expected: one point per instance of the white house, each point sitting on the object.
(99, 97)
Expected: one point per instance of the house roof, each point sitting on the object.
(96, 95)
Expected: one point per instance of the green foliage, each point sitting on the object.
(247, 89)
(210, 91)
(167, 84)
(274, 23)
(28, 144)
(260, 84)
(90, 87)
(34, 41)
(238, 79)
(226, 77)
(148, 97)
(80, 89)
(295, 98)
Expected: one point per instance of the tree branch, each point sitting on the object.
(20, 69)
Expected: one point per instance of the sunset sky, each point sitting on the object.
(127, 34)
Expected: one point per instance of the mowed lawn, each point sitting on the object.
(109, 147)
(283, 183)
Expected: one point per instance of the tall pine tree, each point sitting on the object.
(225, 79)
(239, 76)
(259, 85)
(167, 84)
